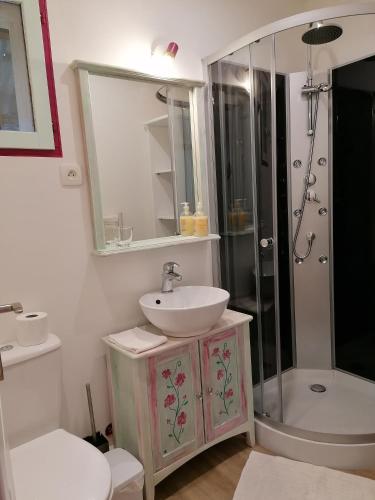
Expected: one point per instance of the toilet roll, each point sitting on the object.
(32, 328)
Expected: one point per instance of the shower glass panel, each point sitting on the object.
(294, 133)
(354, 268)
(284, 208)
(249, 172)
(264, 165)
(230, 80)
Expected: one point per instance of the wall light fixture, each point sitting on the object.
(169, 49)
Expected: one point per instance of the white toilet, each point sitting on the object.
(47, 462)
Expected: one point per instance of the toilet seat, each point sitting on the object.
(60, 466)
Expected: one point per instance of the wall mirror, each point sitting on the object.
(28, 110)
(143, 155)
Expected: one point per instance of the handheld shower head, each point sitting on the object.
(320, 33)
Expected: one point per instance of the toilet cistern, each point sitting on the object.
(168, 276)
(17, 308)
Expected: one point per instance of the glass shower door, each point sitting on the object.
(264, 164)
(244, 118)
(230, 86)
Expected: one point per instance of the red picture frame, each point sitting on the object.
(57, 151)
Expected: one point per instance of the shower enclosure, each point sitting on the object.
(292, 133)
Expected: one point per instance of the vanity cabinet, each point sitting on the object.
(172, 402)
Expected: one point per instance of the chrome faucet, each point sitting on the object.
(169, 275)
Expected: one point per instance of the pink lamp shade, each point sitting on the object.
(172, 49)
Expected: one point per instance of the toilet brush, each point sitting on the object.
(96, 439)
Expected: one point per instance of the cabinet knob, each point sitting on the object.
(210, 391)
(199, 396)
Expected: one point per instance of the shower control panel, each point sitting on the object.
(312, 196)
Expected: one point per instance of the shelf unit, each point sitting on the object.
(162, 172)
(169, 241)
(162, 175)
(159, 121)
(243, 232)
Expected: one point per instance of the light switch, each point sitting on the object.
(70, 175)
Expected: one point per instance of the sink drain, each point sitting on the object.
(318, 388)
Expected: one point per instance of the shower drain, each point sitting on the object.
(318, 388)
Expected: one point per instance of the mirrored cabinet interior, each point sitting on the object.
(143, 155)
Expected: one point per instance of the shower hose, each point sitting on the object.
(309, 236)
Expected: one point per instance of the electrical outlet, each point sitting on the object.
(70, 175)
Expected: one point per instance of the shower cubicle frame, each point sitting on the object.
(271, 30)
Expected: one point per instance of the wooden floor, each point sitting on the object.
(214, 474)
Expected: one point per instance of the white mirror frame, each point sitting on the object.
(42, 137)
(84, 70)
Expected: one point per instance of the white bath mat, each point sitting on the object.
(266, 477)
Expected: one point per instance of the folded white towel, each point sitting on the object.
(137, 340)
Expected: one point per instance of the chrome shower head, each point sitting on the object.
(320, 33)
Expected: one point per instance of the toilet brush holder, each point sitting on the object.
(96, 439)
(99, 442)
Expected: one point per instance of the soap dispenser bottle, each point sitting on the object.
(200, 222)
(186, 220)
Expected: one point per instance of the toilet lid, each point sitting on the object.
(60, 466)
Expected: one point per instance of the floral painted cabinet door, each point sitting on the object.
(175, 397)
(225, 404)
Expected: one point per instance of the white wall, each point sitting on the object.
(318, 4)
(45, 229)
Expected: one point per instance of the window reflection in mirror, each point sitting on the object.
(15, 98)
(144, 155)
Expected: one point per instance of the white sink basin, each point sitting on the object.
(187, 311)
